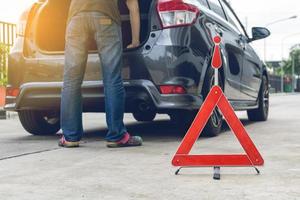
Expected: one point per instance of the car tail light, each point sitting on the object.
(12, 92)
(175, 13)
(172, 89)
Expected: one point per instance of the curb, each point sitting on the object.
(285, 94)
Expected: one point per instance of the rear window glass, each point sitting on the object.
(204, 3)
(232, 19)
(216, 7)
(197, 2)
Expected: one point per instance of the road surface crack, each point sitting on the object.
(27, 154)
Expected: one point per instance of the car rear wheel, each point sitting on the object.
(144, 116)
(262, 112)
(40, 122)
(182, 119)
(185, 118)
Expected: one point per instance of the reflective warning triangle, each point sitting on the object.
(216, 98)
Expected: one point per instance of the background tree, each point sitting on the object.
(287, 64)
(3, 64)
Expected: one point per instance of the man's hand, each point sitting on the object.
(133, 45)
(135, 21)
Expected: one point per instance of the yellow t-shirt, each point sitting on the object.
(107, 7)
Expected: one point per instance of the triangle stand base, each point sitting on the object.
(217, 172)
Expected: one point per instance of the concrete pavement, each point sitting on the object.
(34, 168)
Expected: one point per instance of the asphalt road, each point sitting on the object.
(34, 168)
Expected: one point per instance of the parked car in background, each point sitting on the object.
(168, 73)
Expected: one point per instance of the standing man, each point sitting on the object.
(99, 20)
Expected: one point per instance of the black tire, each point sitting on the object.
(39, 122)
(183, 119)
(262, 112)
(215, 122)
(144, 116)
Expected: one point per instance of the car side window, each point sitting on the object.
(232, 19)
(216, 7)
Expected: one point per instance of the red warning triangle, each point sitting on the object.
(216, 98)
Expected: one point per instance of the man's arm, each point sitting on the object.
(135, 21)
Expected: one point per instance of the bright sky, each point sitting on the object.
(263, 12)
(255, 12)
(10, 10)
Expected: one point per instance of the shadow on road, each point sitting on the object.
(159, 130)
(156, 130)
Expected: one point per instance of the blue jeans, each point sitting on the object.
(107, 35)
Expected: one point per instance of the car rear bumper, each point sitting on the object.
(140, 94)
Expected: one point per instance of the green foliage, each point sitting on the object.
(287, 64)
(3, 62)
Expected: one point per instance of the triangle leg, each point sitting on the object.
(240, 132)
(200, 121)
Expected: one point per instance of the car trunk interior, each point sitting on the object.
(52, 20)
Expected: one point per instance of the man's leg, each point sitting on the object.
(75, 63)
(109, 42)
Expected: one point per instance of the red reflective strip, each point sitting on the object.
(165, 89)
(211, 160)
(172, 89)
(179, 90)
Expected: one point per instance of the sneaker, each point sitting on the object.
(127, 141)
(64, 143)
